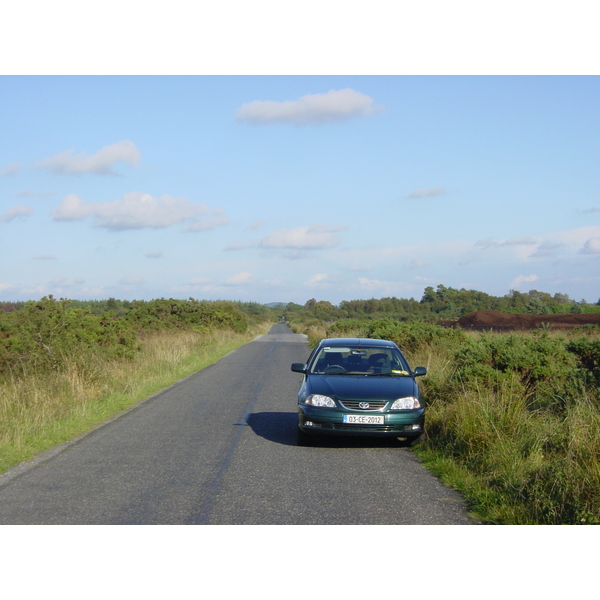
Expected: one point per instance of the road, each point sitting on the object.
(219, 448)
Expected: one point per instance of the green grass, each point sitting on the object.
(513, 419)
(38, 412)
(514, 463)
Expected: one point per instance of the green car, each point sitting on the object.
(359, 387)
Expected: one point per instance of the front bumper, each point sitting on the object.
(322, 421)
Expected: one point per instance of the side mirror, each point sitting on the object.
(420, 371)
(299, 368)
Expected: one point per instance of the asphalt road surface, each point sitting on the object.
(219, 448)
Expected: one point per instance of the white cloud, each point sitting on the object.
(316, 108)
(520, 241)
(10, 169)
(547, 249)
(137, 210)
(6, 286)
(575, 237)
(316, 279)
(386, 288)
(272, 283)
(313, 237)
(15, 212)
(372, 283)
(242, 245)
(217, 220)
(257, 225)
(200, 281)
(72, 208)
(297, 240)
(242, 278)
(568, 242)
(592, 246)
(101, 163)
(425, 252)
(521, 279)
(425, 193)
(64, 282)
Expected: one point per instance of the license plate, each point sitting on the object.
(364, 419)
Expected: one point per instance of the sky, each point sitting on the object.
(286, 188)
(271, 152)
(330, 159)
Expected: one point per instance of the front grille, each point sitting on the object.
(357, 427)
(355, 404)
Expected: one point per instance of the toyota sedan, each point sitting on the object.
(359, 387)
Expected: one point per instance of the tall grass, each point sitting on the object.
(513, 419)
(40, 410)
(516, 458)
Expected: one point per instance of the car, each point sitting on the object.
(359, 387)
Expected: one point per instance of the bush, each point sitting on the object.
(546, 370)
(48, 334)
(178, 314)
(347, 328)
(409, 335)
(587, 353)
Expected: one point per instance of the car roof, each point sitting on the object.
(357, 342)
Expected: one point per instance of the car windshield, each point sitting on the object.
(359, 360)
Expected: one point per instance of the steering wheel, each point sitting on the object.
(334, 369)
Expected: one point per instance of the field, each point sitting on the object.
(513, 413)
(513, 395)
(486, 320)
(64, 369)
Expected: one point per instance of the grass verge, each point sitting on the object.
(39, 412)
(513, 420)
(515, 462)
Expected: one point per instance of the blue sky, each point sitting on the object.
(285, 188)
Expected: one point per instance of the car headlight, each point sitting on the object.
(406, 403)
(319, 400)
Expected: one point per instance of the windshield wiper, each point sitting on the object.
(390, 374)
(342, 373)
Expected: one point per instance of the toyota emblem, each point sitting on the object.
(363, 405)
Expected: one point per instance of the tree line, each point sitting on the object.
(441, 303)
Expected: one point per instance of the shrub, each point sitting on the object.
(587, 353)
(50, 334)
(546, 370)
(178, 314)
(347, 328)
(409, 335)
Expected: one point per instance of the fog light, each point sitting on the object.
(415, 426)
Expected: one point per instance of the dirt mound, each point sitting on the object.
(491, 319)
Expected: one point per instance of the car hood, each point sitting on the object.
(362, 387)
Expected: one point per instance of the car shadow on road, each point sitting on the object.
(280, 427)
